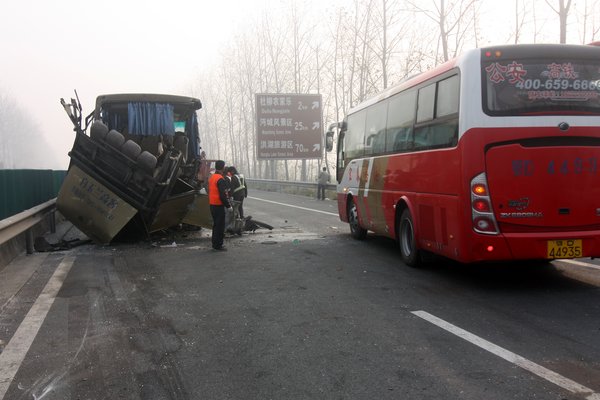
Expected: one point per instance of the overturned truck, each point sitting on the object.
(139, 170)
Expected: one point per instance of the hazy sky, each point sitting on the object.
(50, 47)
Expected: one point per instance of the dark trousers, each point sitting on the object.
(241, 206)
(218, 230)
(321, 191)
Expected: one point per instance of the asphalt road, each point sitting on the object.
(300, 312)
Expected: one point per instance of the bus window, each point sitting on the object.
(446, 131)
(555, 84)
(400, 119)
(442, 131)
(375, 130)
(355, 135)
(341, 162)
(426, 103)
(444, 134)
(447, 98)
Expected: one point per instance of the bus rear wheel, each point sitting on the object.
(407, 241)
(356, 230)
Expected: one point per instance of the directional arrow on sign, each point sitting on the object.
(316, 125)
(316, 147)
(315, 105)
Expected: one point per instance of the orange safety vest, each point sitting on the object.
(214, 198)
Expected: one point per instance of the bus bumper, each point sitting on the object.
(525, 246)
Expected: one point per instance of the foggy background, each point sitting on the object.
(225, 52)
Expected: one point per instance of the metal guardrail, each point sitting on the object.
(290, 184)
(13, 226)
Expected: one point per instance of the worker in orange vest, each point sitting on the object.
(218, 200)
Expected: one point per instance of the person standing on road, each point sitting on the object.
(218, 201)
(239, 190)
(322, 181)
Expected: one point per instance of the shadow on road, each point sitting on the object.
(528, 275)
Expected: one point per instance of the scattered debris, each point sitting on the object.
(42, 245)
(252, 225)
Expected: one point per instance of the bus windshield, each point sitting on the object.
(554, 85)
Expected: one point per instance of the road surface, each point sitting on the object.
(300, 312)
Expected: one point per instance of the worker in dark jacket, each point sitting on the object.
(218, 200)
(239, 190)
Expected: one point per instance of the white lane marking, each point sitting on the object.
(579, 263)
(509, 356)
(290, 205)
(13, 354)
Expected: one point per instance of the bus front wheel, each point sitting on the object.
(407, 240)
(356, 230)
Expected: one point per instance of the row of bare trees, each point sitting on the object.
(350, 52)
(22, 145)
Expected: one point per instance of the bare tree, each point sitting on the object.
(7, 136)
(453, 19)
(588, 21)
(248, 85)
(391, 25)
(22, 145)
(207, 123)
(563, 13)
(520, 16)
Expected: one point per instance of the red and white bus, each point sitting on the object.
(492, 156)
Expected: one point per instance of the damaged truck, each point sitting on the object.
(135, 167)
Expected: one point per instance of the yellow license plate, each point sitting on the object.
(571, 248)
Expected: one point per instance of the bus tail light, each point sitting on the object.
(484, 224)
(479, 189)
(481, 207)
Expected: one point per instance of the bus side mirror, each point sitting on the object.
(329, 141)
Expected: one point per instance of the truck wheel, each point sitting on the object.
(356, 230)
(407, 241)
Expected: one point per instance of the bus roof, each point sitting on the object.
(410, 82)
(185, 101)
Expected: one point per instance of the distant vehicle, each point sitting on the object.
(491, 156)
(137, 170)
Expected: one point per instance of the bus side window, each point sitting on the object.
(436, 135)
(424, 137)
(446, 131)
(341, 165)
(354, 145)
(438, 130)
(375, 128)
(447, 98)
(400, 119)
(375, 143)
(394, 139)
(425, 105)
(400, 139)
(445, 134)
